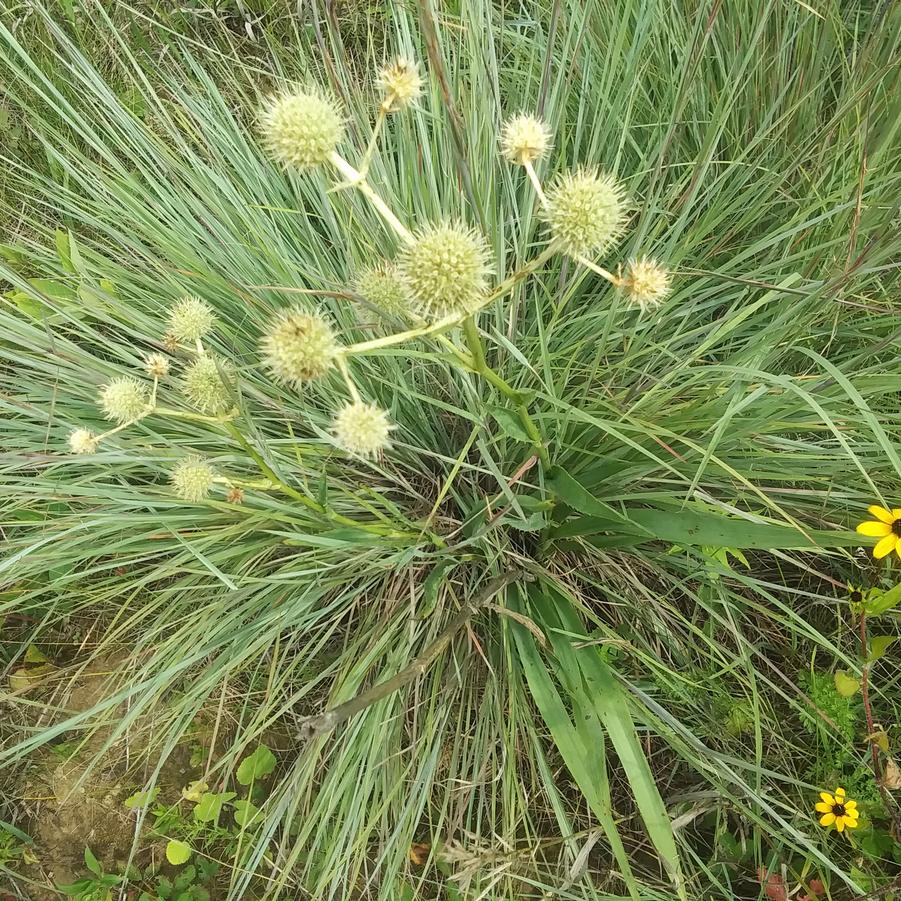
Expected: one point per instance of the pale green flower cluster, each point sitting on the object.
(439, 280)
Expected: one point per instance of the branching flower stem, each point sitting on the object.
(315, 506)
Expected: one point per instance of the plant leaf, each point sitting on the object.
(256, 765)
(91, 862)
(177, 852)
(847, 686)
(509, 423)
(879, 644)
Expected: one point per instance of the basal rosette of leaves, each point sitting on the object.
(451, 555)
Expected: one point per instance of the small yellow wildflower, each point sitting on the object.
(837, 810)
(886, 527)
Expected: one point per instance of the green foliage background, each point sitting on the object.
(757, 410)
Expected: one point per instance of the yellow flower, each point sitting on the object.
(836, 810)
(886, 527)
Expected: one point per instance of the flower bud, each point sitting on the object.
(192, 479)
(83, 441)
(123, 399)
(399, 83)
(301, 130)
(646, 283)
(586, 212)
(362, 429)
(299, 347)
(203, 386)
(190, 319)
(445, 270)
(525, 139)
(382, 287)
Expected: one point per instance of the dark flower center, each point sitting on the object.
(838, 809)
(856, 596)
(896, 527)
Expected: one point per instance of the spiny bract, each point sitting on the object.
(123, 399)
(382, 286)
(302, 129)
(525, 139)
(445, 270)
(586, 211)
(203, 386)
(399, 83)
(190, 319)
(192, 479)
(299, 347)
(83, 441)
(362, 429)
(646, 283)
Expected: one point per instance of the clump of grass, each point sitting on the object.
(460, 615)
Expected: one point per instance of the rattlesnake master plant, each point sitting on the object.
(439, 281)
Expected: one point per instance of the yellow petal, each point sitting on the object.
(827, 819)
(822, 807)
(839, 793)
(874, 529)
(840, 824)
(896, 513)
(885, 545)
(881, 513)
(851, 824)
(827, 798)
(850, 805)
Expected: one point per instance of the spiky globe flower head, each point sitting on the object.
(299, 347)
(525, 139)
(192, 479)
(203, 385)
(83, 441)
(362, 429)
(382, 286)
(586, 211)
(156, 366)
(190, 319)
(123, 399)
(645, 282)
(303, 128)
(445, 270)
(399, 83)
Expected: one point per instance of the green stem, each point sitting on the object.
(477, 349)
(308, 502)
(359, 182)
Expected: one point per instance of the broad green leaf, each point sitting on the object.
(585, 763)
(574, 495)
(847, 686)
(255, 766)
(177, 852)
(210, 806)
(61, 239)
(33, 654)
(432, 584)
(91, 862)
(697, 528)
(245, 812)
(879, 644)
(880, 603)
(509, 423)
(141, 799)
(603, 692)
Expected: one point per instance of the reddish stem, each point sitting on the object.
(865, 693)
